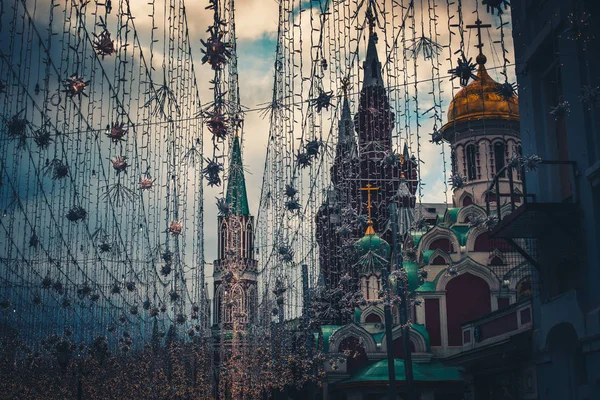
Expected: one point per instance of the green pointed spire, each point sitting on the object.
(236, 186)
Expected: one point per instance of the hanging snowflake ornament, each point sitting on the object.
(103, 44)
(464, 71)
(76, 213)
(496, 5)
(457, 181)
(75, 86)
(119, 164)
(224, 207)
(94, 297)
(146, 183)
(180, 319)
(211, 172)
(58, 287)
(154, 311)
(579, 27)
(506, 90)
(37, 300)
(515, 161)
(323, 101)
(216, 52)
(590, 96)
(488, 222)
(216, 123)
(130, 286)
(286, 254)
(303, 160)
(175, 228)
(133, 310)
(437, 137)
(425, 46)
(561, 111)
(117, 132)
(290, 191)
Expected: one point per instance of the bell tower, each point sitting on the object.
(235, 273)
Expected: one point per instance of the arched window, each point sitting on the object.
(373, 318)
(490, 196)
(357, 354)
(467, 201)
(499, 155)
(439, 260)
(442, 244)
(471, 162)
(495, 261)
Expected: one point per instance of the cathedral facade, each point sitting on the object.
(470, 293)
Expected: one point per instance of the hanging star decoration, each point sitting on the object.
(425, 46)
(496, 5)
(103, 44)
(216, 122)
(485, 221)
(464, 71)
(146, 182)
(17, 127)
(286, 254)
(437, 137)
(119, 164)
(457, 181)
(292, 205)
(117, 132)
(75, 86)
(212, 172)
(57, 169)
(175, 228)
(561, 110)
(76, 213)
(42, 137)
(506, 90)
(590, 96)
(312, 148)
(216, 52)
(290, 191)
(303, 159)
(323, 101)
(579, 27)
(224, 207)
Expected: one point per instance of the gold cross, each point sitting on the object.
(369, 189)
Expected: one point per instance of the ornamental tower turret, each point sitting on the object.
(235, 273)
(483, 132)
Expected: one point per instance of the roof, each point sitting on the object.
(372, 66)
(426, 287)
(373, 251)
(327, 331)
(434, 371)
(480, 100)
(236, 185)
(462, 233)
(412, 270)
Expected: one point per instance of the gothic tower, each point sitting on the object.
(235, 273)
(364, 156)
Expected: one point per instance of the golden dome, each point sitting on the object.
(480, 100)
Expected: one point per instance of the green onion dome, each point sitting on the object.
(373, 252)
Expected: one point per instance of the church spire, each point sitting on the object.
(346, 146)
(236, 185)
(372, 65)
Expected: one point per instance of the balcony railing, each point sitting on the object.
(497, 326)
